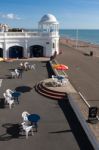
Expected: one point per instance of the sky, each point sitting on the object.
(71, 14)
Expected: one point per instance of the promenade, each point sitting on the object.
(83, 72)
(84, 76)
(58, 127)
(82, 46)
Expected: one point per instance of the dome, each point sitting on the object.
(49, 18)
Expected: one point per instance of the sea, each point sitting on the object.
(87, 35)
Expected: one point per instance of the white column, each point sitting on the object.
(5, 55)
(5, 52)
(25, 45)
(25, 49)
(42, 27)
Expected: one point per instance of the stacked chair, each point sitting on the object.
(26, 124)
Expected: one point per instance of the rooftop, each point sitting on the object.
(48, 18)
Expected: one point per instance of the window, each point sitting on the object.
(53, 45)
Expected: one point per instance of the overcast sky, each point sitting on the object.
(71, 14)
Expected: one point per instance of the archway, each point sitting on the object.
(1, 52)
(36, 51)
(16, 52)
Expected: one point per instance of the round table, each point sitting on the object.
(60, 77)
(34, 118)
(16, 95)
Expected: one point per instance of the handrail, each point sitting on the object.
(87, 103)
(84, 100)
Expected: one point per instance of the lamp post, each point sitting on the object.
(76, 38)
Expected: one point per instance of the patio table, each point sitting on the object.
(16, 96)
(60, 77)
(34, 118)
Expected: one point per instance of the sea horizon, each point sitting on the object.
(87, 35)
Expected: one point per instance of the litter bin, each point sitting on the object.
(93, 113)
(91, 53)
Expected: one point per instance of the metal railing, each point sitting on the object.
(88, 105)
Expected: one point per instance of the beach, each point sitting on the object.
(84, 47)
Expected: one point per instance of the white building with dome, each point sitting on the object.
(43, 43)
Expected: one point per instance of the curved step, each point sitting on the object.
(49, 94)
(45, 87)
(48, 91)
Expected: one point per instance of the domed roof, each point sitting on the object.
(49, 18)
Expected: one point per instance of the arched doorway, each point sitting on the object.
(1, 52)
(36, 51)
(16, 52)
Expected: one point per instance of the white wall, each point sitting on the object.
(24, 42)
(1, 45)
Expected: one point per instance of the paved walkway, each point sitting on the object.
(79, 103)
(83, 73)
(58, 127)
(84, 76)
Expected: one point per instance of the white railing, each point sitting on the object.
(50, 34)
(18, 34)
(25, 34)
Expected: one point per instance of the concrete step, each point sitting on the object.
(51, 94)
(49, 91)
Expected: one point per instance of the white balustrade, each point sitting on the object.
(4, 35)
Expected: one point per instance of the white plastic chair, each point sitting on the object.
(25, 116)
(64, 81)
(26, 65)
(27, 129)
(33, 66)
(9, 92)
(21, 64)
(56, 81)
(17, 73)
(8, 100)
(13, 74)
(5, 97)
(54, 78)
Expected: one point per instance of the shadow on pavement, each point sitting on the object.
(86, 54)
(11, 69)
(23, 89)
(2, 103)
(8, 77)
(12, 131)
(75, 125)
(62, 131)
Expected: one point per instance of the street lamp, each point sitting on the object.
(76, 38)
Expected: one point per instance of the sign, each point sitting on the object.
(92, 117)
